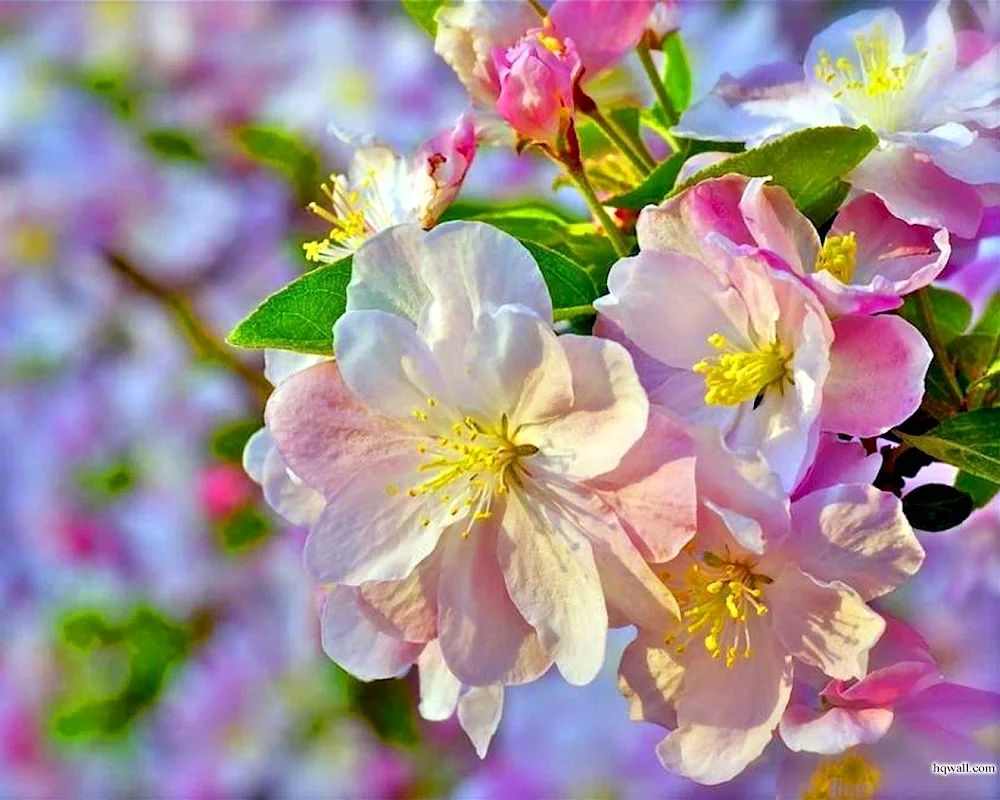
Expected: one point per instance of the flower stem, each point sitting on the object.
(579, 177)
(201, 339)
(938, 346)
(641, 161)
(661, 93)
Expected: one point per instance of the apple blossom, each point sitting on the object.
(938, 161)
(755, 598)
(869, 260)
(383, 189)
(725, 336)
(457, 439)
(860, 739)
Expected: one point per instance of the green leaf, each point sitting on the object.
(974, 357)
(243, 529)
(952, 312)
(809, 164)
(173, 145)
(970, 442)
(979, 489)
(229, 440)
(545, 225)
(936, 507)
(677, 73)
(592, 138)
(989, 322)
(424, 12)
(569, 284)
(299, 317)
(282, 151)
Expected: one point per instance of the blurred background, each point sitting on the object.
(158, 635)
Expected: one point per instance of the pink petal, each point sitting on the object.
(405, 609)
(826, 625)
(653, 489)
(357, 645)
(548, 567)
(324, 433)
(722, 726)
(838, 461)
(884, 687)
(775, 224)
(856, 534)
(833, 731)
(483, 636)
(602, 32)
(877, 371)
(650, 680)
(917, 190)
(608, 415)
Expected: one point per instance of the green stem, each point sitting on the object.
(661, 93)
(938, 347)
(579, 177)
(643, 163)
(571, 312)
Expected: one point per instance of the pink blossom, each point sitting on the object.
(934, 108)
(464, 449)
(758, 592)
(537, 78)
(223, 490)
(725, 336)
(866, 736)
(383, 188)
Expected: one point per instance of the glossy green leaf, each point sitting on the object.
(936, 507)
(283, 151)
(300, 316)
(970, 442)
(677, 78)
(952, 312)
(809, 164)
(173, 145)
(979, 489)
(989, 322)
(569, 284)
(423, 13)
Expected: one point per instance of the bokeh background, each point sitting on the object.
(158, 634)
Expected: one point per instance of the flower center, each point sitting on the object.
(838, 257)
(467, 466)
(354, 214)
(843, 777)
(548, 41)
(735, 376)
(879, 84)
(715, 600)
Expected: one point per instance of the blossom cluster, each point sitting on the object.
(494, 472)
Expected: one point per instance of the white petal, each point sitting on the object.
(439, 687)
(479, 713)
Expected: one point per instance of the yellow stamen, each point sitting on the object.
(736, 376)
(715, 601)
(838, 257)
(847, 776)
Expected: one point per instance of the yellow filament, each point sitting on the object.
(843, 777)
(466, 467)
(878, 76)
(735, 376)
(715, 602)
(839, 257)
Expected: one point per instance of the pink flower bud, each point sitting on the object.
(537, 76)
(447, 158)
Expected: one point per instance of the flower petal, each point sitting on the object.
(483, 636)
(723, 726)
(548, 566)
(834, 730)
(608, 415)
(479, 712)
(877, 371)
(777, 225)
(650, 679)
(439, 687)
(827, 625)
(406, 609)
(856, 534)
(357, 645)
(602, 32)
(838, 461)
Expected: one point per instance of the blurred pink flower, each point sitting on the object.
(223, 489)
